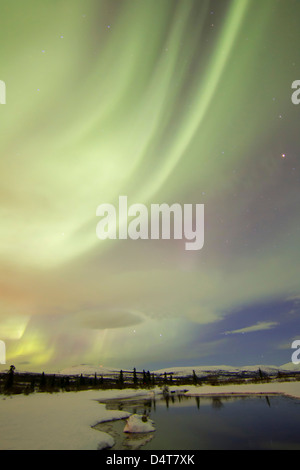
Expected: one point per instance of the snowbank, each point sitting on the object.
(291, 389)
(54, 422)
(61, 421)
(136, 424)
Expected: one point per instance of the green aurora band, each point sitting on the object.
(162, 101)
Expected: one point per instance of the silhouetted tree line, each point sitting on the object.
(12, 382)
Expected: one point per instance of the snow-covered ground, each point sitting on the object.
(291, 389)
(64, 421)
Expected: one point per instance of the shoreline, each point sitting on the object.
(65, 420)
(291, 389)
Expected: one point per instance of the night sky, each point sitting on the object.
(164, 101)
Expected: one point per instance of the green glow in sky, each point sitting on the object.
(163, 101)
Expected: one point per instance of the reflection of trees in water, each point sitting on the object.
(217, 403)
(173, 398)
(147, 407)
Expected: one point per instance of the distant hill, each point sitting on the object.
(90, 370)
(204, 370)
(86, 369)
(291, 367)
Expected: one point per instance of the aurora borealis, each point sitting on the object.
(164, 101)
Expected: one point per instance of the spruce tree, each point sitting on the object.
(121, 378)
(52, 385)
(135, 380)
(195, 378)
(148, 378)
(81, 380)
(10, 378)
(43, 381)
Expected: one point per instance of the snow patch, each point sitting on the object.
(139, 424)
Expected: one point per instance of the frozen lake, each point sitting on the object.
(200, 423)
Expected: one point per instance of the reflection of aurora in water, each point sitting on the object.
(216, 422)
